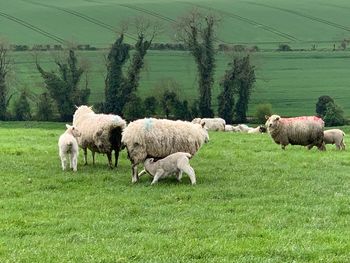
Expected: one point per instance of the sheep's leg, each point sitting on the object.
(63, 161)
(116, 156)
(179, 176)
(74, 161)
(337, 146)
(142, 173)
(71, 161)
(109, 156)
(189, 170)
(93, 157)
(342, 144)
(85, 156)
(156, 177)
(322, 147)
(135, 177)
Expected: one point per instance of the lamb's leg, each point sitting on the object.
(74, 161)
(63, 161)
(189, 170)
(85, 156)
(142, 173)
(134, 177)
(342, 144)
(156, 177)
(109, 156)
(179, 176)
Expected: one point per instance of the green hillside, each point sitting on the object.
(95, 22)
(292, 81)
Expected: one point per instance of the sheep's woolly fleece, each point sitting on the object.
(95, 128)
(160, 137)
(306, 130)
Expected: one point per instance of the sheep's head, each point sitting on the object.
(272, 122)
(262, 128)
(205, 132)
(148, 161)
(73, 130)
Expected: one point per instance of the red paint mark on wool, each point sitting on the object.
(302, 118)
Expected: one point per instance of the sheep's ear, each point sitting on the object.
(277, 119)
(76, 106)
(90, 107)
(203, 124)
(151, 160)
(267, 117)
(68, 126)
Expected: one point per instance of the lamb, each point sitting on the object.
(175, 163)
(213, 124)
(68, 145)
(335, 136)
(158, 138)
(100, 133)
(306, 131)
(243, 127)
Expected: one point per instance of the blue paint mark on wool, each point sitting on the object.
(148, 124)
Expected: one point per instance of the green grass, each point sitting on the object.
(300, 23)
(253, 202)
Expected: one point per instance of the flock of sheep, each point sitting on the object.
(165, 146)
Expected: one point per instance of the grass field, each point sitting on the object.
(290, 81)
(253, 202)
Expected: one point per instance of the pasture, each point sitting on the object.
(253, 202)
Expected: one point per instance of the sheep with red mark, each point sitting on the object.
(158, 138)
(305, 131)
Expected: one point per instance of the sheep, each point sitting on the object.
(231, 128)
(259, 129)
(68, 145)
(175, 163)
(213, 124)
(158, 138)
(306, 131)
(334, 136)
(101, 133)
(243, 127)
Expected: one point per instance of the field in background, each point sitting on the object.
(290, 81)
(253, 202)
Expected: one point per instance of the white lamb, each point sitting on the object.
(334, 136)
(68, 145)
(175, 163)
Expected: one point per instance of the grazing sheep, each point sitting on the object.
(158, 138)
(231, 128)
(68, 145)
(259, 129)
(243, 128)
(335, 136)
(175, 163)
(100, 133)
(213, 124)
(306, 131)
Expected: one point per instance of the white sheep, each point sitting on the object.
(100, 133)
(158, 138)
(306, 131)
(231, 128)
(213, 124)
(335, 136)
(175, 163)
(243, 127)
(68, 147)
(259, 129)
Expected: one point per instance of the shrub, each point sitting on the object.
(334, 115)
(150, 105)
(321, 105)
(284, 47)
(22, 108)
(44, 108)
(134, 109)
(263, 110)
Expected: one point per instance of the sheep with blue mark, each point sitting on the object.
(158, 138)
